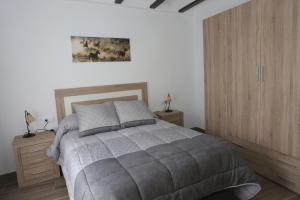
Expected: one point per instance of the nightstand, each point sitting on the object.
(32, 163)
(175, 117)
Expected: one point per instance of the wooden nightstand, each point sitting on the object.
(175, 117)
(32, 163)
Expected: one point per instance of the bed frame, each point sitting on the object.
(60, 95)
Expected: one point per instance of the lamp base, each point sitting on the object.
(28, 135)
(169, 110)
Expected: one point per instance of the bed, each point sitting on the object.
(159, 161)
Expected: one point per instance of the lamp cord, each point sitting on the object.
(44, 128)
(46, 123)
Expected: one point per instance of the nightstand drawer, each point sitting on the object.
(173, 118)
(31, 159)
(43, 170)
(179, 123)
(34, 148)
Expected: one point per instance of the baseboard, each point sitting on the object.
(201, 130)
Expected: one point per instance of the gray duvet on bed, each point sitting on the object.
(152, 162)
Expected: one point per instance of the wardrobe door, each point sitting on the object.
(280, 59)
(217, 37)
(243, 75)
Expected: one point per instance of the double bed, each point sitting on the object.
(159, 161)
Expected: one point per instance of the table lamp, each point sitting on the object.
(28, 119)
(168, 103)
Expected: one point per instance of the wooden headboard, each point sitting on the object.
(60, 95)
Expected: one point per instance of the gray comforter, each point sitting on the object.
(152, 162)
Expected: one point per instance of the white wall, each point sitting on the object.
(35, 58)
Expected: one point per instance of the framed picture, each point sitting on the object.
(99, 49)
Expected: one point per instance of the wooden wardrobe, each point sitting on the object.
(252, 84)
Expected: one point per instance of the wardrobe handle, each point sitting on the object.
(258, 72)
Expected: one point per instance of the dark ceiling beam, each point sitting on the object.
(190, 5)
(118, 1)
(156, 3)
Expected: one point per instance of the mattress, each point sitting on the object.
(152, 162)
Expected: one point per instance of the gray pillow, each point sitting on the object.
(133, 113)
(97, 118)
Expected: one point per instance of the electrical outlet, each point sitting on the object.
(49, 119)
(48, 122)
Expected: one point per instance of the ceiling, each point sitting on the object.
(167, 6)
(202, 10)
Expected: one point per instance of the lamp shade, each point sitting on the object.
(29, 118)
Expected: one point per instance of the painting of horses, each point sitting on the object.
(100, 49)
